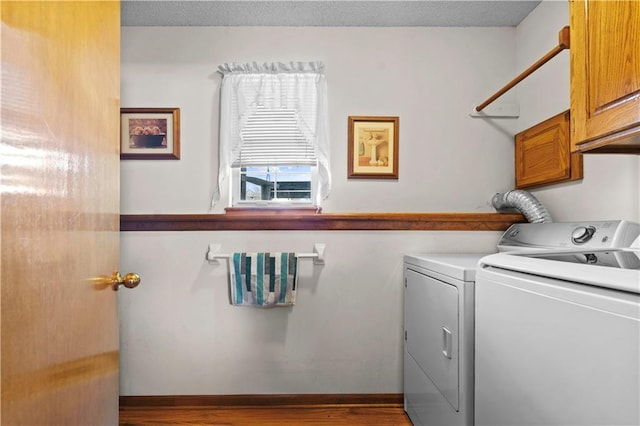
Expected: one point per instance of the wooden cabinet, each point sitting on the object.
(543, 154)
(605, 75)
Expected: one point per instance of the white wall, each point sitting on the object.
(179, 335)
(610, 188)
(429, 77)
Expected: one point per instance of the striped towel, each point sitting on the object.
(263, 279)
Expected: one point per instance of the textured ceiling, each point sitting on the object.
(451, 13)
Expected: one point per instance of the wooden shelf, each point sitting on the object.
(321, 222)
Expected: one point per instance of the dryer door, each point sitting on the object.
(431, 326)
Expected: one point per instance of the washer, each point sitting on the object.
(438, 333)
(557, 332)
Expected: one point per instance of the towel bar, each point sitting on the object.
(226, 255)
(318, 254)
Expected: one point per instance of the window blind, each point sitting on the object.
(272, 137)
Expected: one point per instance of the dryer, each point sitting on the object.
(438, 334)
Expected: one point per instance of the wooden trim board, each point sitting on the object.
(258, 400)
(322, 222)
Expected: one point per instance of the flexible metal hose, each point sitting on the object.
(524, 202)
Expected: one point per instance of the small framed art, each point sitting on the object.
(150, 133)
(373, 147)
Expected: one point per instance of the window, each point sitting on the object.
(273, 134)
(273, 185)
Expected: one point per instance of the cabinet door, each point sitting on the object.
(605, 72)
(542, 154)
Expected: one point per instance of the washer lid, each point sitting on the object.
(460, 266)
(551, 264)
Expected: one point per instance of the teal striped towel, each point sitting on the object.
(263, 279)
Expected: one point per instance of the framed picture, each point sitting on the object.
(150, 133)
(373, 147)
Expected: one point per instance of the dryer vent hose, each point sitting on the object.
(524, 202)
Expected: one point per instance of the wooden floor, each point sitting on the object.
(353, 416)
(264, 414)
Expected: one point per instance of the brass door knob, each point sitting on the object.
(130, 280)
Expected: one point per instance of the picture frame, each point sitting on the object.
(150, 133)
(373, 144)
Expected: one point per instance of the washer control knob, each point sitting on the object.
(582, 234)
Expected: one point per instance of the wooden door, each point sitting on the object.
(605, 72)
(59, 212)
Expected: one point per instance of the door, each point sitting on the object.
(59, 212)
(431, 326)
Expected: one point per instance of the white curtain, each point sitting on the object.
(300, 86)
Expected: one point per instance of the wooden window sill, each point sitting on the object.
(321, 222)
(263, 211)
